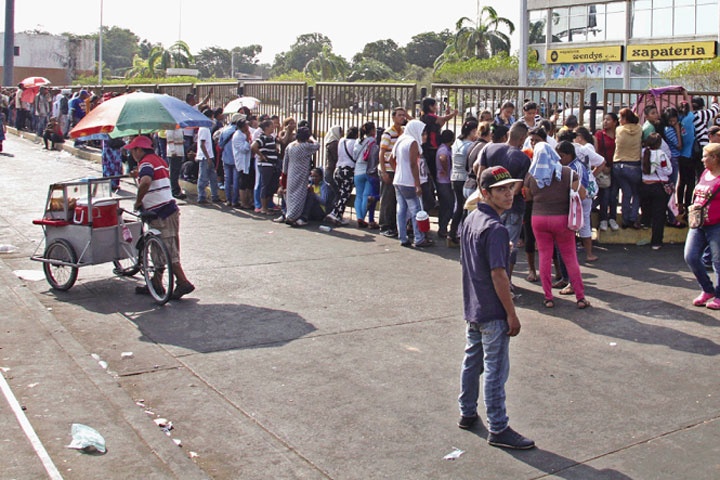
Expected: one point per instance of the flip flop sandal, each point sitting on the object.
(548, 303)
(582, 304)
(532, 277)
(569, 290)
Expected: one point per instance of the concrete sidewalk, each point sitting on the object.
(310, 355)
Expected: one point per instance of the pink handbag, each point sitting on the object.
(575, 215)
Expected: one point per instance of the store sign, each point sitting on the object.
(585, 55)
(671, 51)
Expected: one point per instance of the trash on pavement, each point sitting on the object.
(8, 248)
(454, 454)
(126, 355)
(86, 439)
(29, 275)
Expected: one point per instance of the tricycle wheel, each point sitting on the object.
(127, 267)
(60, 277)
(157, 268)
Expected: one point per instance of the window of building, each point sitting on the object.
(673, 18)
(588, 23)
(538, 26)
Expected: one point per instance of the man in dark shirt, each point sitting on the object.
(489, 310)
(510, 156)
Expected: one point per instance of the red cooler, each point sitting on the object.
(105, 212)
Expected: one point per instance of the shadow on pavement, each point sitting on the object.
(208, 328)
(563, 467)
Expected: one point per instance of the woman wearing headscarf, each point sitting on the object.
(548, 184)
(332, 139)
(408, 190)
(296, 165)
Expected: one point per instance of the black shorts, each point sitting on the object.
(268, 181)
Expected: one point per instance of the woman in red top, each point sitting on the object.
(707, 195)
(605, 143)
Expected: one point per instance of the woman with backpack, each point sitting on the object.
(365, 152)
(344, 177)
(459, 174)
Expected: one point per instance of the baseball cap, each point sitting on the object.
(495, 177)
(141, 141)
(236, 117)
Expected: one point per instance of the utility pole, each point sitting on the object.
(523, 52)
(100, 41)
(9, 50)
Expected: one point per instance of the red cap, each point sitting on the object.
(141, 141)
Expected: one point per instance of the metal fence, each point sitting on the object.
(615, 100)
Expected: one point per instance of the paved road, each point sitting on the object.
(336, 356)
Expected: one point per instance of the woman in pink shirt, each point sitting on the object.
(706, 196)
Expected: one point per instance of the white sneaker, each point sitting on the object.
(603, 225)
(613, 225)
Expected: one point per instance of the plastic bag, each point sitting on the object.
(86, 439)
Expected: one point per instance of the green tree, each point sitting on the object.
(701, 75)
(140, 69)
(145, 47)
(424, 48)
(370, 70)
(213, 62)
(305, 48)
(177, 56)
(119, 47)
(384, 51)
(483, 38)
(245, 58)
(326, 66)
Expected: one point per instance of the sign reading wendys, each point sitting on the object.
(671, 51)
(585, 55)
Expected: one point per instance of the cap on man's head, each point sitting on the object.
(496, 177)
(236, 117)
(141, 141)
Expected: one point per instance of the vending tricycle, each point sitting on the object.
(85, 225)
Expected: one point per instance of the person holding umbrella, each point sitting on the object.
(154, 195)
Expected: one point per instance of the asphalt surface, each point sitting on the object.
(311, 355)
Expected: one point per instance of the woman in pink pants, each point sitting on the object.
(548, 186)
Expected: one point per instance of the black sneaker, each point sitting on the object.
(509, 438)
(389, 233)
(466, 423)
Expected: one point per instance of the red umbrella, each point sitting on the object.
(31, 86)
(35, 82)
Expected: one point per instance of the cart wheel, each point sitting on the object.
(60, 277)
(157, 269)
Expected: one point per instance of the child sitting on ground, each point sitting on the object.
(52, 133)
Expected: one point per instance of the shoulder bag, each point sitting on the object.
(604, 180)
(575, 215)
(697, 214)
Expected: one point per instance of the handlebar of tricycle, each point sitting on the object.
(143, 215)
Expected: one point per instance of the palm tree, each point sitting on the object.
(483, 38)
(326, 65)
(140, 68)
(177, 56)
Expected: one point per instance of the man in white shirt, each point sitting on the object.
(206, 164)
(175, 155)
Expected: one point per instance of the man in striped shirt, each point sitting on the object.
(154, 195)
(702, 117)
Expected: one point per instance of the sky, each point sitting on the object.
(228, 24)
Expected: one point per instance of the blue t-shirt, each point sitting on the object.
(485, 246)
(687, 129)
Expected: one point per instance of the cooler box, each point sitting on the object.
(104, 212)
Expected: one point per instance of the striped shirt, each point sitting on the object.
(387, 142)
(159, 197)
(701, 120)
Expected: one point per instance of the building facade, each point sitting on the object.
(55, 57)
(626, 44)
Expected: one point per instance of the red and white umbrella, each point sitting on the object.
(35, 82)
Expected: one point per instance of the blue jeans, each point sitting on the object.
(407, 202)
(695, 243)
(627, 178)
(487, 351)
(207, 175)
(362, 190)
(232, 182)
